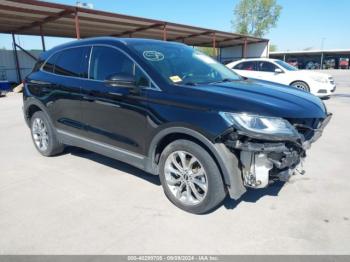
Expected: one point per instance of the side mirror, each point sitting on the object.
(121, 80)
(278, 71)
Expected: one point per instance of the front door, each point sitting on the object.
(267, 71)
(114, 115)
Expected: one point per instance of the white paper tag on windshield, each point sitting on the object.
(175, 79)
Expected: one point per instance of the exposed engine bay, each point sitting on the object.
(264, 161)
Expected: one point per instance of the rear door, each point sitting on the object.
(70, 71)
(61, 78)
(246, 69)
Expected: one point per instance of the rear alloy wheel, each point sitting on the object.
(190, 177)
(301, 85)
(43, 135)
(40, 134)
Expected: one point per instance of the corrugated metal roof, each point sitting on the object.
(338, 51)
(27, 16)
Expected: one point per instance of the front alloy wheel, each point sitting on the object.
(186, 178)
(190, 177)
(301, 85)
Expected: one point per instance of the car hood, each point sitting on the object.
(259, 97)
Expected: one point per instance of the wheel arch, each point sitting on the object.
(30, 107)
(225, 160)
(303, 81)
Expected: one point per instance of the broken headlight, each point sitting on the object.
(274, 128)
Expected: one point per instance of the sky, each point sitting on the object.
(302, 23)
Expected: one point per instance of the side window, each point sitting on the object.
(50, 64)
(69, 62)
(106, 61)
(249, 65)
(266, 66)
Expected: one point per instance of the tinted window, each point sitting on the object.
(106, 62)
(249, 65)
(266, 66)
(49, 66)
(69, 62)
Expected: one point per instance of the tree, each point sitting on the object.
(272, 48)
(256, 17)
(207, 50)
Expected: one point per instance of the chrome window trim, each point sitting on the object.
(89, 63)
(154, 87)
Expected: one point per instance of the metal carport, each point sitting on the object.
(32, 17)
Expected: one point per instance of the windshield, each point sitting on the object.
(286, 65)
(181, 64)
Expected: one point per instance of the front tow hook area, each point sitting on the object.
(259, 169)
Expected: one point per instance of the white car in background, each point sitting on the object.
(278, 71)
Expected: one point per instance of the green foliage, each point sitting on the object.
(207, 50)
(256, 17)
(272, 48)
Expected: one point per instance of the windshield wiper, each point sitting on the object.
(223, 81)
(190, 84)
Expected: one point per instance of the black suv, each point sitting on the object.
(172, 111)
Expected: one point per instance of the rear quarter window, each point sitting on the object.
(50, 64)
(38, 65)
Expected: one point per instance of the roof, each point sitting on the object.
(105, 40)
(319, 51)
(27, 16)
(251, 59)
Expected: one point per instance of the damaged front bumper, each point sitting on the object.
(263, 161)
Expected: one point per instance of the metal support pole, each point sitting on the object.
(42, 39)
(164, 33)
(321, 66)
(26, 52)
(245, 48)
(214, 45)
(268, 49)
(284, 57)
(19, 77)
(77, 25)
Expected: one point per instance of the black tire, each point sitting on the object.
(216, 192)
(301, 85)
(54, 147)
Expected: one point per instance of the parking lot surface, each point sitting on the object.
(85, 203)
